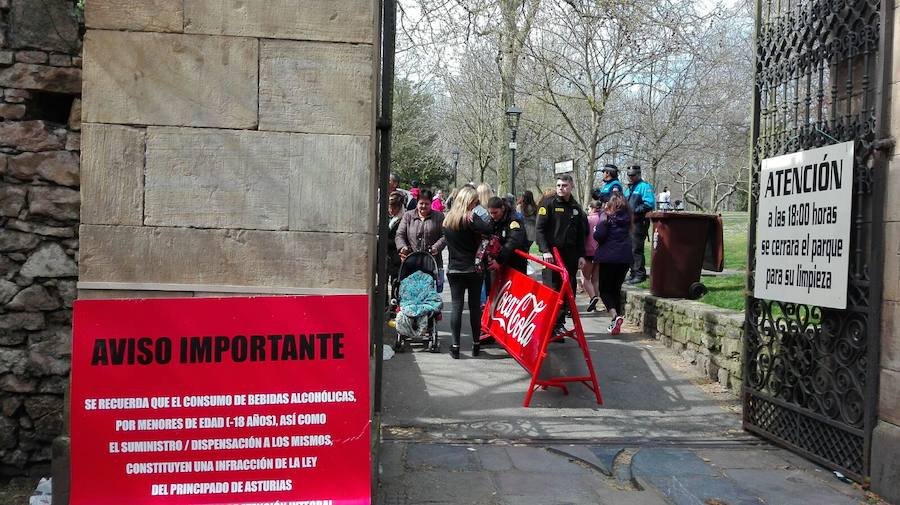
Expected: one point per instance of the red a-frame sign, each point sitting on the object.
(520, 314)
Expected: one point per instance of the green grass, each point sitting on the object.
(734, 234)
(725, 291)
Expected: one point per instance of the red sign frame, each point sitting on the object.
(521, 314)
(221, 400)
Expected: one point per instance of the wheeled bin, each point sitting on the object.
(684, 243)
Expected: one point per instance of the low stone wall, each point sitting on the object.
(709, 337)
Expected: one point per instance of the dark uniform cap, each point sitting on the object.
(612, 169)
(634, 170)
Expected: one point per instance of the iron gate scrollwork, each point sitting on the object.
(810, 372)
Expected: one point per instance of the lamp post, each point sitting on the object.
(455, 154)
(512, 120)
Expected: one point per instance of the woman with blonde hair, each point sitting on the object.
(463, 227)
(485, 192)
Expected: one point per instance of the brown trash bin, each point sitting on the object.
(683, 243)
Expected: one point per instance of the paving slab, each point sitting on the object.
(701, 490)
(780, 487)
(481, 398)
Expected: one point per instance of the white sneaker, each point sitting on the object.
(617, 325)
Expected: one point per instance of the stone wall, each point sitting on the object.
(886, 437)
(228, 147)
(40, 123)
(710, 338)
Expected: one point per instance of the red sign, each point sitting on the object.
(521, 312)
(215, 401)
(521, 316)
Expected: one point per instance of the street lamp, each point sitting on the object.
(455, 154)
(512, 120)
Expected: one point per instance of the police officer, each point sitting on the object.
(562, 223)
(510, 227)
(610, 184)
(641, 200)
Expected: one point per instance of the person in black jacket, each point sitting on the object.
(463, 227)
(509, 226)
(562, 223)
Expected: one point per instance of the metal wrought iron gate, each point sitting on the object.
(810, 373)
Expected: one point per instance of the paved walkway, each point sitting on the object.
(455, 432)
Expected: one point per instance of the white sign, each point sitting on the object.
(803, 227)
(562, 167)
(513, 146)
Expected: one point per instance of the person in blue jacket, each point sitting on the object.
(610, 184)
(641, 200)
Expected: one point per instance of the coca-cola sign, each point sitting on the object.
(520, 315)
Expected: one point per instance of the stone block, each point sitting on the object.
(316, 87)
(46, 412)
(32, 136)
(60, 204)
(75, 115)
(112, 175)
(60, 60)
(219, 178)
(11, 240)
(21, 321)
(327, 20)
(224, 257)
(49, 260)
(73, 141)
(38, 57)
(6, 57)
(48, 24)
(170, 79)
(60, 167)
(33, 298)
(892, 178)
(7, 290)
(229, 179)
(889, 396)
(340, 163)
(12, 111)
(892, 261)
(63, 80)
(890, 335)
(40, 229)
(886, 461)
(12, 200)
(143, 16)
(16, 95)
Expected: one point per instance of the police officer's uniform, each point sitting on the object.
(562, 224)
(511, 230)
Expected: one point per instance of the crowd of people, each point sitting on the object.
(483, 231)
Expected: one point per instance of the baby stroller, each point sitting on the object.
(416, 303)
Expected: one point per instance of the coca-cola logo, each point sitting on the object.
(516, 315)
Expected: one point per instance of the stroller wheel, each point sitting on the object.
(435, 345)
(398, 344)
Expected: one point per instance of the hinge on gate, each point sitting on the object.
(885, 145)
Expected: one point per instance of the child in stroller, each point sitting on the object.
(416, 302)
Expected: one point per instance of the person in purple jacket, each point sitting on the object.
(613, 256)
